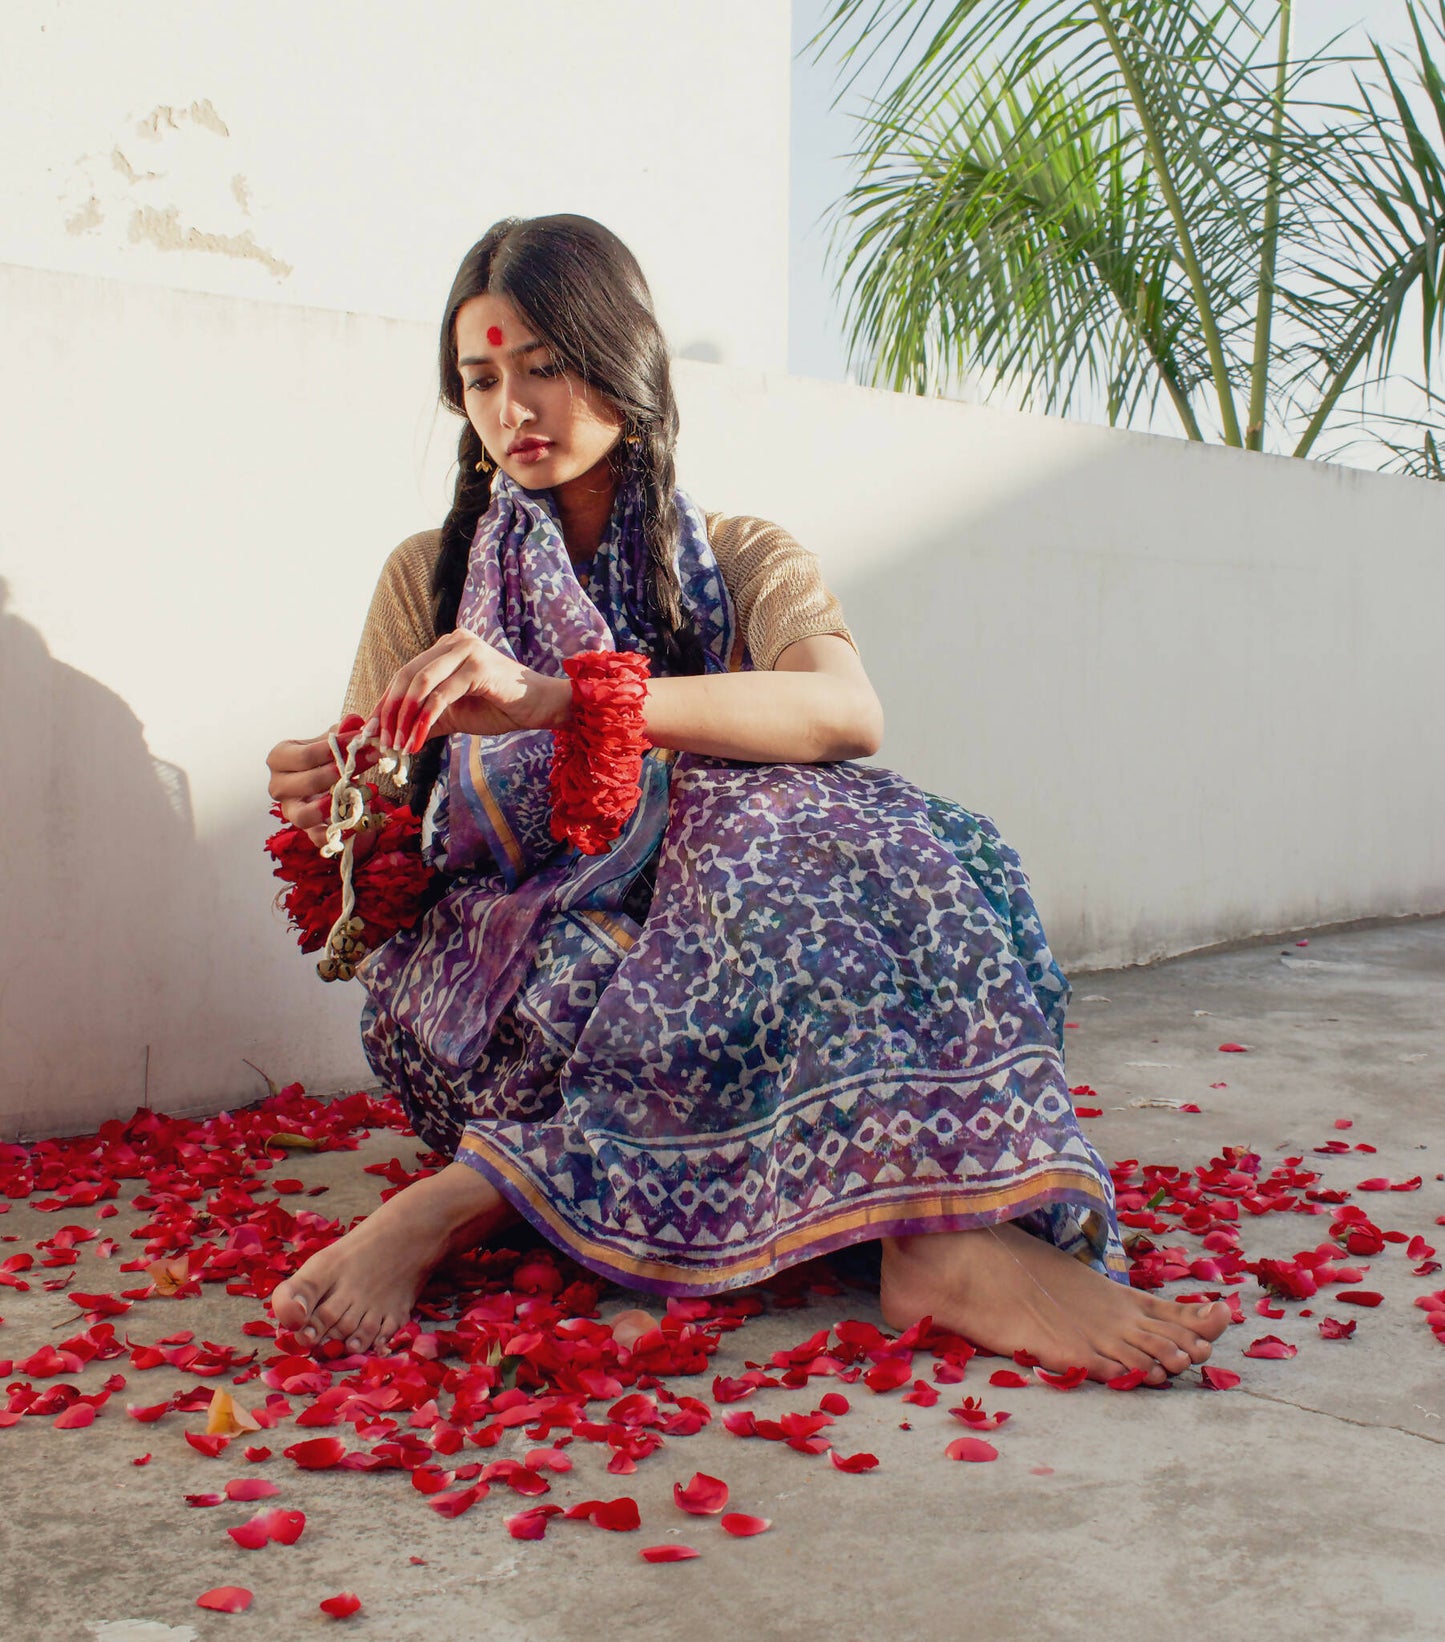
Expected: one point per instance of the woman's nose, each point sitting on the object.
(515, 410)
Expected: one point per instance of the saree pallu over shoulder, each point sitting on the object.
(795, 1006)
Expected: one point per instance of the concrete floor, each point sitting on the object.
(1309, 1502)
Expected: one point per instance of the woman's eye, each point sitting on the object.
(481, 382)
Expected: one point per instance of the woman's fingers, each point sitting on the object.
(448, 691)
(310, 815)
(401, 706)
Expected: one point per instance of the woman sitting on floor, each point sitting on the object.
(798, 1003)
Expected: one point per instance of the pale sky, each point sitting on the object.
(822, 135)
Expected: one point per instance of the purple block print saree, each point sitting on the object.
(794, 1007)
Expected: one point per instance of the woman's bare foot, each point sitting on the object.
(1007, 1291)
(361, 1288)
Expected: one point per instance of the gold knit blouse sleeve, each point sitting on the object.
(776, 585)
(399, 624)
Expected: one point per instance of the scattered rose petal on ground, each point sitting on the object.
(455, 1504)
(854, 1462)
(1130, 1380)
(619, 1516)
(703, 1496)
(742, 1526)
(225, 1599)
(668, 1553)
(1234, 1048)
(1009, 1379)
(1333, 1329)
(973, 1449)
(249, 1488)
(1064, 1379)
(1359, 1297)
(318, 1454)
(342, 1605)
(531, 1524)
(1219, 1379)
(1270, 1346)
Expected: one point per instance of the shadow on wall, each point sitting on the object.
(99, 863)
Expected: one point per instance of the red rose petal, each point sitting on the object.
(973, 1449)
(1066, 1379)
(74, 1417)
(341, 1606)
(532, 1524)
(249, 1488)
(1219, 1379)
(1127, 1381)
(319, 1454)
(283, 1526)
(888, 1375)
(1008, 1378)
(836, 1403)
(742, 1526)
(668, 1553)
(454, 1504)
(1270, 1346)
(704, 1496)
(1332, 1328)
(1234, 1049)
(250, 1536)
(201, 1500)
(225, 1599)
(1359, 1297)
(209, 1445)
(854, 1462)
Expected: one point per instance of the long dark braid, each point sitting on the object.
(471, 497)
(583, 291)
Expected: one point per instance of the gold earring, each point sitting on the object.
(486, 465)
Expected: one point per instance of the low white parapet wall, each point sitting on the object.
(1198, 690)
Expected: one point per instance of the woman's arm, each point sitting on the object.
(815, 706)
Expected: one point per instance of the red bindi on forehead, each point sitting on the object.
(494, 335)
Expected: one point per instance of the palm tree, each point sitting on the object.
(1138, 198)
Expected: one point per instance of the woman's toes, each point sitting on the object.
(1211, 1319)
(1167, 1353)
(291, 1304)
(346, 1322)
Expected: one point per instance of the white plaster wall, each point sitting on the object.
(1198, 689)
(343, 154)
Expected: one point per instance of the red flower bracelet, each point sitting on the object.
(597, 759)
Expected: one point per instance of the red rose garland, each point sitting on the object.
(597, 759)
(390, 884)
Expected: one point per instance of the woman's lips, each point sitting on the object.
(530, 450)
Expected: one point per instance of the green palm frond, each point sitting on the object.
(1137, 196)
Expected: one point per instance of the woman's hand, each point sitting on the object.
(303, 774)
(465, 686)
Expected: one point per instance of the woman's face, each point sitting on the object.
(540, 424)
